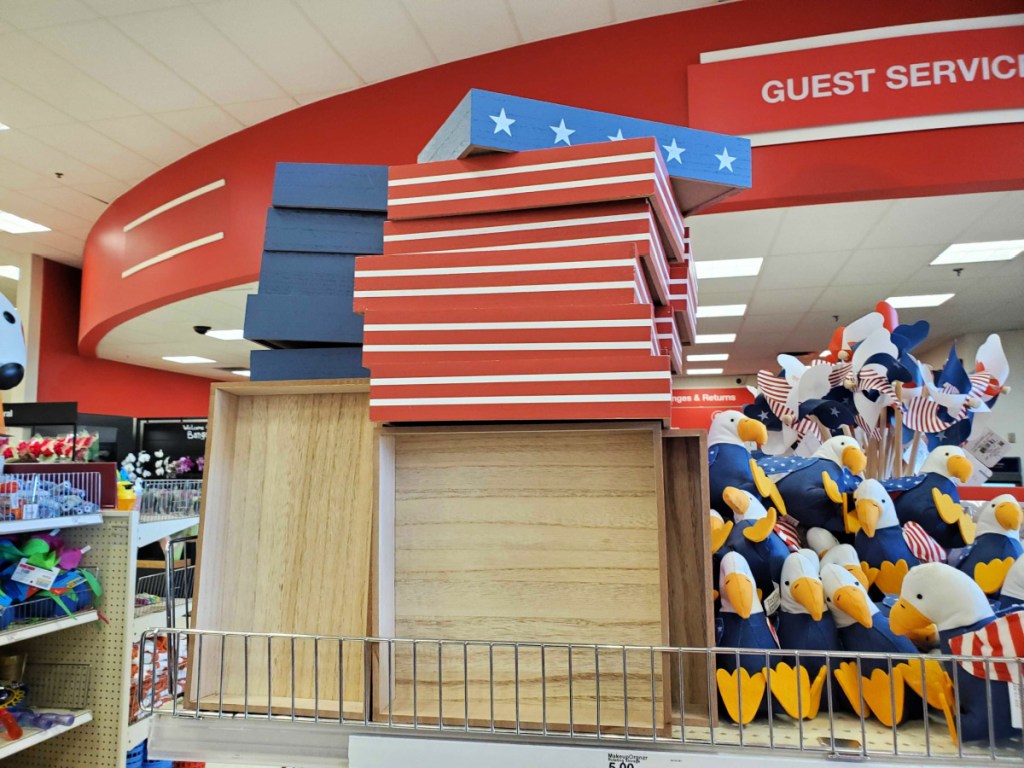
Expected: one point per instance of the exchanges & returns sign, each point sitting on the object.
(694, 408)
(977, 74)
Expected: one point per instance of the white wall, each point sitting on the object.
(1008, 415)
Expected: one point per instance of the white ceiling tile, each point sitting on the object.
(59, 240)
(70, 201)
(1005, 221)
(107, 191)
(357, 27)
(539, 19)
(831, 227)
(744, 234)
(281, 39)
(29, 65)
(146, 136)
(117, 7)
(79, 140)
(27, 14)
(15, 176)
(190, 45)
(801, 271)
(20, 109)
(852, 303)
(105, 53)
(201, 126)
(869, 265)
(627, 10)
(252, 112)
(782, 302)
(776, 324)
(40, 157)
(42, 213)
(721, 288)
(928, 220)
(458, 29)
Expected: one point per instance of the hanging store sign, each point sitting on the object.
(694, 408)
(866, 82)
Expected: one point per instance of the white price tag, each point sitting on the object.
(30, 512)
(1015, 719)
(34, 576)
(642, 760)
(773, 601)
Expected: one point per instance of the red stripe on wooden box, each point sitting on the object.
(523, 390)
(507, 333)
(628, 222)
(669, 341)
(585, 174)
(683, 300)
(583, 275)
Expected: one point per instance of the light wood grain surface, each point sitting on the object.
(285, 537)
(533, 535)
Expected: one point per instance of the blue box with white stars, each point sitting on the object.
(705, 167)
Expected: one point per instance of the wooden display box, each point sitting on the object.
(285, 545)
(541, 534)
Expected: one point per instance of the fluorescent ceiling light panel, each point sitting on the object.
(924, 300)
(244, 372)
(17, 225)
(972, 253)
(11, 273)
(704, 371)
(188, 359)
(232, 334)
(707, 270)
(722, 310)
(4, 127)
(717, 357)
(715, 338)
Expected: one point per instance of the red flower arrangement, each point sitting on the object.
(48, 449)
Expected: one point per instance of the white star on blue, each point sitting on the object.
(763, 416)
(834, 411)
(617, 137)
(502, 123)
(562, 133)
(725, 160)
(675, 152)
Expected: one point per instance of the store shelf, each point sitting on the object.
(27, 631)
(33, 736)
(154, 530)
(9, 527)
(138, 732)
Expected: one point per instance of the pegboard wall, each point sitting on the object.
(103, 743)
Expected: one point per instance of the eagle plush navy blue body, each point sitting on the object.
(886, 546)
(800, 632)
(753, 633)
(918, 504)
(989, 547)
(729, 465)
(807, 500)
(764, 557)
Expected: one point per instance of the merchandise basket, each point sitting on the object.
(49, 496)
(152, 591)
(40, 609)
(608, 696)
(159, 500)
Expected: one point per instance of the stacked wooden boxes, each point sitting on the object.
(523, 287)
(322, 216)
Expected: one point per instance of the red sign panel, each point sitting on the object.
(694, 408)
(942, 73)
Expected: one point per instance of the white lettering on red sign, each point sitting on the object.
(921, 74)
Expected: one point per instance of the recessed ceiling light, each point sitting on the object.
(4, 127)
(970, 253)
(704, 371)
(232, 334)
(243, 372)
(188, 359)
(715, 338)
(19, 226)
(11, 273)
(924, 300)
(717, 357)
(707, 270)
(722, 310)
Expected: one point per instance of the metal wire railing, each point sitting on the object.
(166, 499)
(650, 697)
(49, 496)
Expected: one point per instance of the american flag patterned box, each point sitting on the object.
(509, 333)
(669, 341)
(683, 300)
(578, 275)
(542, 178)
(560, 389)
(631, 221)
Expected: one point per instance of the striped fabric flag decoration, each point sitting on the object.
(776, 392)
(669, 341)
(631, 221)
(542, 178)
(592, 274)
(1001, 640)
(921, 414)
(786, 528)
(924, 547)
(508, 333)
(566, 389)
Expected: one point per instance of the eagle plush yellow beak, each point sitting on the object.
(960, 468)
(810, 594)
(854, 459)
(905, 618)
(854, 603)
(869, 512)
(737, 500)
(752, 431)
(1008, 515)
(859, 575)
(740, 592)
